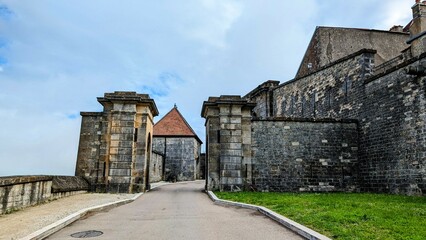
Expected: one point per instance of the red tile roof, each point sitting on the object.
(173, 124)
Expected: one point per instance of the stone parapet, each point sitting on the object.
(18, 192)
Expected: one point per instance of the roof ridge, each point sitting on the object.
(187, 124)
(174, 124)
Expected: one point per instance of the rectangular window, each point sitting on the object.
(135, 138)
(218, 136)
(313, 103)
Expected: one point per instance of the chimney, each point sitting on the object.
(418, 29)
(396, 28)
(419, 18)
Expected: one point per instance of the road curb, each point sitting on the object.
(164, 183)
(159, 184)
(58, 225)
(288, 223)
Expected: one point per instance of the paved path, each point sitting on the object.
(178, 211)
(28, 220)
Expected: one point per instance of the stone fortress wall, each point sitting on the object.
(343, 124)
(302, 156)
(389, 109)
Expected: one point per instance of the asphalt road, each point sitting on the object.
(178, 211)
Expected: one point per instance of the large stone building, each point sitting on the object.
(353, 118)
(180, 146)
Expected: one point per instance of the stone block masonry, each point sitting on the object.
(228, 156)
(115, 145)
(305, 155)
(343, 123)
(336, 91)
(91, 153)
(18, 192)
(156, 171)
(392, 133)
(389, 108)
(277, 154)
(179, 163)
(180, 146)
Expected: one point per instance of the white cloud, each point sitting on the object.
(395, 12)
(61, 55)
(212, 23)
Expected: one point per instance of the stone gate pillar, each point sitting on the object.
(228, 142)
(123, 136)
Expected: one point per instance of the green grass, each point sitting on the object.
(346, 216)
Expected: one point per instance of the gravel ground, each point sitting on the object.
(26, 221)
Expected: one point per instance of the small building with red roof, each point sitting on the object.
(174, 138)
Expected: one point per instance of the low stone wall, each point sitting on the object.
(22, 191)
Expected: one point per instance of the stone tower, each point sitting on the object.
(115, 145)
(228, 142)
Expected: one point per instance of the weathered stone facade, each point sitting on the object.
(180, 146)
(354, 120)
(18, 192)
(305, 155)
(329, 44)
(115, 145)
(228, 150)
(181, 155)
(121, 150)
(156, 169)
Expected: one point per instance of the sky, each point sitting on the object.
(57, 56)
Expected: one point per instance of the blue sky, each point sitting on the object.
(57, 56)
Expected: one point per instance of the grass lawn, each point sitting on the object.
(346, 215)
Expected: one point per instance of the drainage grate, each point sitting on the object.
(87, 234)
